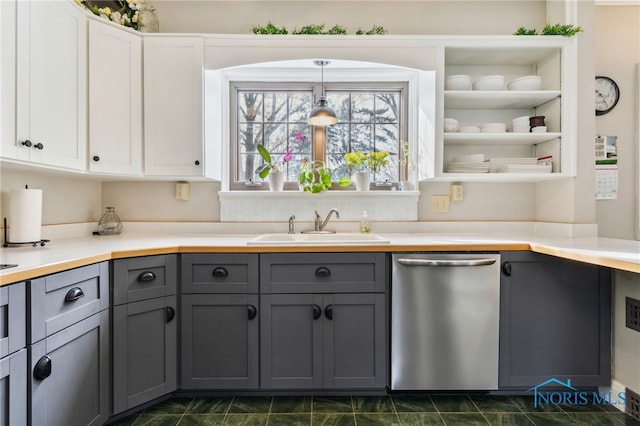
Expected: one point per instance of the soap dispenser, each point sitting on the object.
(365, 226)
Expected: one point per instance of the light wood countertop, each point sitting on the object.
(70, 253)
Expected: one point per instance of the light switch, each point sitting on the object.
(456, 192)
(439, 204)
(182, 191)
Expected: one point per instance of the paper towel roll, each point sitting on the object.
(25, 215)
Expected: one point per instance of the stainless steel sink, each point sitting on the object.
(338, 238)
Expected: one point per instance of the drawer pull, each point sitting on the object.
(328, 312)
(171, 313)
(252, 311)
(74, 294)
(220, 272)
(146, 276)
(323, 271)
(317, 312)
(42, 370)
(506, 268)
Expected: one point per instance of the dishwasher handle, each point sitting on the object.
(447, 262)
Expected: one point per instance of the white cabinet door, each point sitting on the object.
(115, 100)
(9, 147)
(173, 99)
(52, 83)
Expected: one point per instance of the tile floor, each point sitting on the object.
(463, 410)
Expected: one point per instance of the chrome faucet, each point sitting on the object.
(320, 224)
(291, 224)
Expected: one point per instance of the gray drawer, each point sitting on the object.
(323, 272)
(143, 278)
(60, 300)
(13, 317)
(220, 273)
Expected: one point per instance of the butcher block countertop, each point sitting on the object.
(70, 253)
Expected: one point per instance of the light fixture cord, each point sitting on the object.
(322, 78)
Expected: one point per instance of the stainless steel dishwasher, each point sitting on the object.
(444, 321)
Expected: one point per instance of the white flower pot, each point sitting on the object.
(276, 181)
(362, 180)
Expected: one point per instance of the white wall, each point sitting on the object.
(618, 51)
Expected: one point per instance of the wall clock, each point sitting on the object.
(607, 95)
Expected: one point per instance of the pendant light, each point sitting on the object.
(322, 115)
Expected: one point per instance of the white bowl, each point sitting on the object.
(457, 82)
(521, 119)
(450, 121)
(539, 129)
(529, 82)
(521, 129)
(490, 82)
(450, 128)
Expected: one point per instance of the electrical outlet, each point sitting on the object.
(439, 204)
(632, 405)
(632, 313)
(456, 192)
(182, 191)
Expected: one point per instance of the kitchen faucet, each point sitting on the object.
(320, 224)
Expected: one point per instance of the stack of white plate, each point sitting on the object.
(520, 125)
(493, 128)
(469, 129)
(473, 163)
(450, 125)
(524, 168)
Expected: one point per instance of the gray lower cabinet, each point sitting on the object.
(69, 375)
(145, 329)
(220, 341)
(316, 341)
(555, 321)
(68, 347)
(13, 355)
(144, 351)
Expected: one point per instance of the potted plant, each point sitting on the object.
(357, 167)
(271, 170)
(315, 177)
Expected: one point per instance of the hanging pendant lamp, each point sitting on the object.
(322, 115)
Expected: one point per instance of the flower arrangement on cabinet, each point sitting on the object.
(126, 14)
(270, 165)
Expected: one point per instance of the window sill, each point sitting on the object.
(267, 206)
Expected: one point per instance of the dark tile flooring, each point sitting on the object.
(465, 410)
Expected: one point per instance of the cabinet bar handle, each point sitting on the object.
(252, 311)
(317, 312)
(74, 294)
(171, 313)
(220, 272)
(323, 271)
(42, 369)
(446, 262)
(146, 276)
(328, 312)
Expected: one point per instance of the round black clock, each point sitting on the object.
(607, 95)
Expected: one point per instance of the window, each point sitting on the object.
(371, 118)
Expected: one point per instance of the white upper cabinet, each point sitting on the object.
(550, 58)
(8, 146)
(115, 100)
(173, 107)
(51, 80)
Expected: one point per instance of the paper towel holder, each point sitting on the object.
(8, 243)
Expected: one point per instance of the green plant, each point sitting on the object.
(525, 31)
(268, 29)
(310, 29)
(375, 30)
(337, 29)
(315, 177)
(264, 170)
(377, 160)
(567, 30)
(355, 161)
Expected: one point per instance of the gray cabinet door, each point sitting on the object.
(555, 319)
(13, 328)
(144, 351)
(354, 341)
(62, 299)
(143, 278)
(291, 341)
(13, 389)
(220, 335)
(75, 390)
